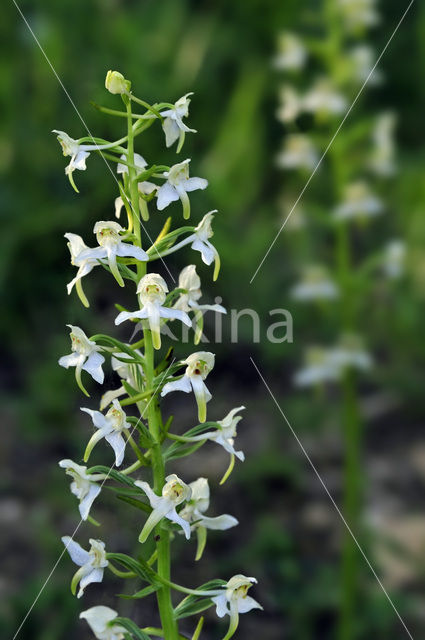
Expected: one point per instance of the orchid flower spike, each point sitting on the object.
(234, 600)
(194, 510)
(173, 125)
(111, 246)
(174, 492)
(177, 186)
(82, 486)
(99, 620)
(111, 427)
(91, 563)
(152, 290)
(85, 356)
(77, 246)
(199, 365)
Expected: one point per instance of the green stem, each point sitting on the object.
(162, 535)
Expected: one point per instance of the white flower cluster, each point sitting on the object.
(170, 502)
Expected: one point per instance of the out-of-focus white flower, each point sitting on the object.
(292, 218)
(145, 187)
(82, 486)
(174, 492)
(77, 246)
(199, 365)
(130, 372)
(382, 158)
(291, 105)
(116, 83)
(152, 290)
(298, 153)
(195, 507)
(111, 427)
(317, 368)
(350, 353)
(291, 53)
(359, 14)
(323, 99)
(359, 202)
(363, 59)
(85, 356)
(99, 620)
(315, 285)
(173, 125)
(234, 600)
(92, 562)
(177, 186)
(328, 364)
(111, 246)
(191, 282)
(394, 259)
(225, 434)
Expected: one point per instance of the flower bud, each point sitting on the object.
(116, 83)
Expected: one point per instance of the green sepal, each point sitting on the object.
(134, 503)
(181, 451)
(131, 627)
(140, 594)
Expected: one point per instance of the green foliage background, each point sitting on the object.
(222, 51)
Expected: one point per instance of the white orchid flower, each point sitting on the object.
(177, 186)
(324, 100)
(83, 486)
(199, 365)
(359, 14)
(111, 246)
(111, 427)
(225, 434)
(394, 259)
(152, 290)
(78, 152)
(363, 60)
(291, 54)
(298, 153)
(144, 187)
(234, 600)
(194, 510)
(359, 202)
(99, 620)
(291, 105)
(174, 492)
(85, 356)
(130, 372)
(199, 241)
(315, 285)
(188, 301)
(173, 125)
(318, 368)
(77, 246)
(195, 507)
(382, 157)
(91, 563)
